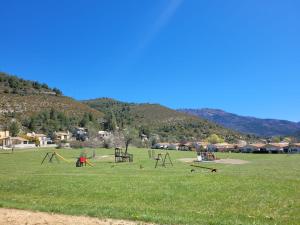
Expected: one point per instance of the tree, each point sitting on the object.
(57, 91)
(214, 139)
(110, 121)
(129, 134)
(14, 129)
(276, 139)
(84, 121)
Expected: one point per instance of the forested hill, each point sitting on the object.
(15, 85)
(156, 119)
(37, 107)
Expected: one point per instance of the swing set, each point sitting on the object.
(54, 155)
(162, 157)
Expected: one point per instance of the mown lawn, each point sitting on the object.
(264, 191)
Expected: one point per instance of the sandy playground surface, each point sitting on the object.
(24, 217)
(223, 161)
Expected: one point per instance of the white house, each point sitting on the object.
(19, 142)
(104, 134)
(62, 136)
(43, 140)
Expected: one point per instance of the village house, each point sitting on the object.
(4, 139)
(42, 138)
(173, 146)
(294, 148)
(186, 146)
(62, 136)
(104, 134)
(221, 147)
(280, 147)
(19, 142)
(253, 148)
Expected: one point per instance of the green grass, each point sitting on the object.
(264, 191)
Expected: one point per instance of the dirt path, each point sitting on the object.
(24, 217)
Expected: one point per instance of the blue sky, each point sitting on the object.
(240, 56)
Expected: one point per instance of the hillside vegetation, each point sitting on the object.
(37, 107)
(31, 103)
(169, 124)
(16, 85)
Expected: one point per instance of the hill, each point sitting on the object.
(16, 85)
(37, 107)
(246, 124)
(169, 124)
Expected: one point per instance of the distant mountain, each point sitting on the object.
(169, 124)
(246, 124)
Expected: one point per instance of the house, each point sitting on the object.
(4, 139)
(19, 142)
(104, 134)
(277, 147)
(185, 146)
(42, 138)
(294, 148)
(173, 146)
(62, 136)
(253, 148)
(221, 147)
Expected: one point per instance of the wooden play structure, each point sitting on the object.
(161, 159)
(206, 156)
(121, 156)
(53, 155)
(151, 153)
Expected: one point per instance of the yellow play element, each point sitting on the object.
(61, 157)
(89, 163)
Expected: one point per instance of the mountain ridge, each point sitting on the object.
(246, 124)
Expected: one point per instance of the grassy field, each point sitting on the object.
(264, 191)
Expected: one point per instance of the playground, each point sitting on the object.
(263, 190)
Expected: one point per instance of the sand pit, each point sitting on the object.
(22, 217)
(231, 161)
(222, 161)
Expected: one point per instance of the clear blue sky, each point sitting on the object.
(240, 56)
